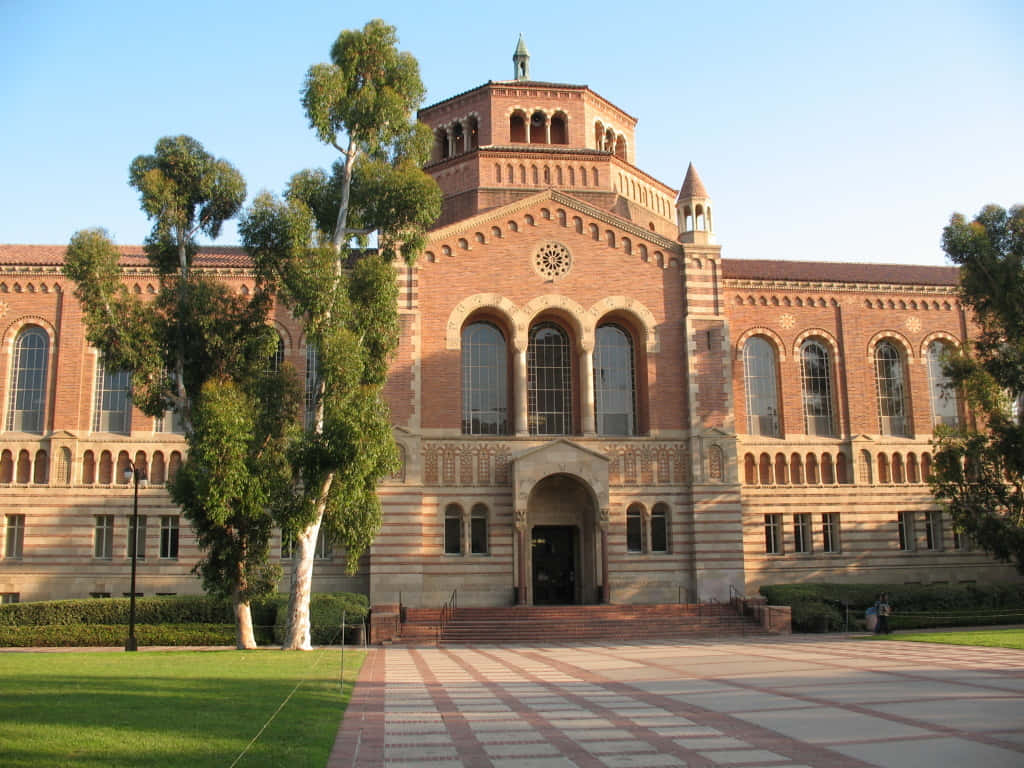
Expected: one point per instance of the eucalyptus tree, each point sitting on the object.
(196, 328)
(978, 469)
(363, 104)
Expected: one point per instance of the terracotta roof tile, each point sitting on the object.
(832, 272)
(692, 184)
(214, 256)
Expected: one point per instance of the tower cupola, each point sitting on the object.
(693, 210)
(521, 58)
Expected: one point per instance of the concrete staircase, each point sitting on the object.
(561, 623)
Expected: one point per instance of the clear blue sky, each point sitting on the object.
(821, 134)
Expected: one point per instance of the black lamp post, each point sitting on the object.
(138, 474)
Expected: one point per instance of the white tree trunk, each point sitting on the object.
(297, 635)
(245, 639)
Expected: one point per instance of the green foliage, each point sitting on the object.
(185, 190)
(978, 471)
(177, 609)
(914, 605)
(97, 635)
(325, 615)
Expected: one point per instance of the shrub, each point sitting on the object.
(325, 613)
(183, 609)
(812, 616)
(92, 635)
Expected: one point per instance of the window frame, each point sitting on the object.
(477, 364)
(28, 381)
(821, 381)
(479, 513)
(559, 373)
(830, 533)
(634, 530)
(661, 512)
(905, 531)
(933, 530)
(773, 544)
(761, 387)
(611, 361)
(803, 533)
(103, 537)
(108, 387)
(939, 392)
(893, 389)
(140, 537)
(14, 537)
(170, 536)
(453, 531)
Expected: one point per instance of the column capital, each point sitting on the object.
(603, 519)
(521, 519)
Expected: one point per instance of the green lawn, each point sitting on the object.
(995, 638)
(166, 709)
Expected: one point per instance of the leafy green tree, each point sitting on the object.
(362, 103)
(195, 330)
(978, 470)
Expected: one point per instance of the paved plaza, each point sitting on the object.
(830, 703)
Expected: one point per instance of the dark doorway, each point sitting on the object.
(554, 564)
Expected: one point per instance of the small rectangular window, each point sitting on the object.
(830, 532)
(961, 541)
(103, 537)
(773, 534)
(169, 537)
(139, 540)
(905, 529)
(324, 546)
(933, 530)
(9, 597)
(99, 594)
(802, 532)
(14, 541)
(634, 531)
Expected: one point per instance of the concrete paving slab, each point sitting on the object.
(823, 725)
(930, 753)
(983, 714)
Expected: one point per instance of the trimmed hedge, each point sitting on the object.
(93, 635)
(325, 612)
(914, 605)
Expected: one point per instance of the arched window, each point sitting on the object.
(634, 529)
(614, 382)
(759, 377)
(559, 130)
(484, 380)
(749, 469)
(549, 380)
(796, 469)
(27, 402)
(453, 530)
(275, 362)
(112, 409)
(517, 127)
(478, 544)
(945, 410)
(659, 528)
(816, 381)
(890, 381)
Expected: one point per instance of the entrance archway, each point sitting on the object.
(564, 542)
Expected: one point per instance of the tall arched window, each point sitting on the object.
(484, 380)
(945, 409)
(760, 381)
(816, 381)
(112, 409)
(891, 383)
(26, 405)
(549, 380)
(312, 384)
(614, 382)
(275, 361)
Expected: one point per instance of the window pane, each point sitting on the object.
(478, 532)
(773, 534)
(816, 376)
(484, 381)
(312, 385)
(891, 393)
(112, 406)
(759, 377)
(103, 537)
(141, 538)
(549, 381)
(614, 382)
(634, 531)
(169, 537)
(659, 530)
(453, 531)
(14, 545)
(945, 411)
(25, 406)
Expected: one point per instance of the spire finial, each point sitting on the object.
(521, 59)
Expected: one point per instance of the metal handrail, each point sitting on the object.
(447, 611)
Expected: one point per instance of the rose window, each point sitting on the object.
(552, 260)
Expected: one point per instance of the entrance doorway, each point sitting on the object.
(554, 564)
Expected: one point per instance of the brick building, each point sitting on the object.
(592, 404)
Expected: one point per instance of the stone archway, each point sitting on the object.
(564, 551)
(561, 500)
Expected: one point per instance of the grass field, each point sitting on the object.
(993, 638)
(180, 708)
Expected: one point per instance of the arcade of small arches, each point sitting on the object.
(457, 137)
(546, 175)
(538, 127)
(644, 194)
(595, 230)
(98, 467)
(822, 469)
(607, 139)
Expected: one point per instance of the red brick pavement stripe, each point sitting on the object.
(360, 740)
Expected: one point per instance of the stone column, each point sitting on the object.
(451, 140)
(587, 391)
(605, 586)
(522, 540)
(519, 392)
(547, 129)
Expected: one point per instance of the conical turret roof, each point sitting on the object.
(521, 47)
(692, 185)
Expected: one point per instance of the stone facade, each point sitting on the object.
(591, 403)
